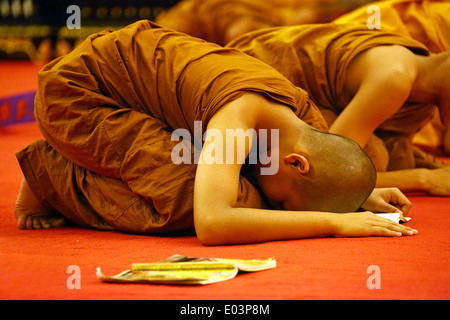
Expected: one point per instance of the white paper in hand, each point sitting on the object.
(392, 216)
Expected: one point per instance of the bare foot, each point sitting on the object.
(31, 213)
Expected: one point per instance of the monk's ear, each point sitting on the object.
(298, 162)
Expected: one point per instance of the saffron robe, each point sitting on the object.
(315, 57)
(221, 21)
(107, 111)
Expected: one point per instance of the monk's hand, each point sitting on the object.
(367, 224)
(389, 200)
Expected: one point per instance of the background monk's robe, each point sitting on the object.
(427, 22)
(221, 21)
(107, 110)
(315, 57)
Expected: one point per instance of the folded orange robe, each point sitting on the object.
(423, 20)
(107, 111)
(315, 57)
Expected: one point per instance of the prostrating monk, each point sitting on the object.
(221, 21)
(425, 21)
(113, 113)
(367, 82)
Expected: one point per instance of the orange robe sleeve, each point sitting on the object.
(107, 112)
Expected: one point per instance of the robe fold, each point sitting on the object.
(316, 57)
(107, 111)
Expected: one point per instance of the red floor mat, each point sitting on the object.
(34, 263)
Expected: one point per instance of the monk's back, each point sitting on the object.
(170, 76)
(315, 57)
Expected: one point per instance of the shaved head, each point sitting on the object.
(341, 175)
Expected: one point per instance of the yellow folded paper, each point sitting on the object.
(187, 270)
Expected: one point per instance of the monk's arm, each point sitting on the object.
(380, 80)
(218, 221)
(435, 182)
(359, 125)
(377, 99)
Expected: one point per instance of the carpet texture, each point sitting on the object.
(34, 263)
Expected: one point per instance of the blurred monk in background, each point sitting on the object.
(427, 22)
(221, 21)
(108, 112)
(375, 87)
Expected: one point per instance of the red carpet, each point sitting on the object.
(17, 77)
(18, 83)
(34, 263)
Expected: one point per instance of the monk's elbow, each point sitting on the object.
(208, 237)
(208, 231)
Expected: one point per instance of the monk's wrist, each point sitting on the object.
(424, 181)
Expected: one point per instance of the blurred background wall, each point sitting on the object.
(37, 30)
